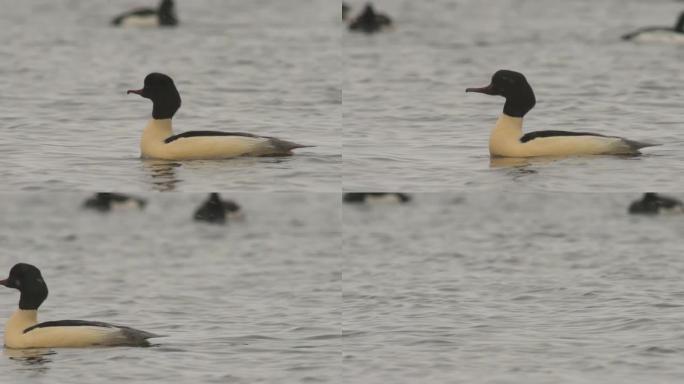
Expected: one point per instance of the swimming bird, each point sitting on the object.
(653, 204)
(214, 210)
(375, 197)
(164, 16)
(370, 21)
(106, 201)
(23, 330)
(507, 139)
(159, 142)
(659, 34)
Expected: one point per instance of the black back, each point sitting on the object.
(69, 323)
(206, 133)
(360, 197)
(28, 280)
(534, 135)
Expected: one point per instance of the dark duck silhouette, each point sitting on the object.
(163, 16)
(653, 204)
(663, 34)
(215, 211)
(370, 21)
(371, 197)
(106, 201)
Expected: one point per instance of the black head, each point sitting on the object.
(679, 27)
(28, 280)
(167, 14)
(514, 87)
(368, 12)
(162, 91)
(651, 196)
(214, 198)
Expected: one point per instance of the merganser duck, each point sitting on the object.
(164, 16)
(507, 139)
(106, 201)
(159, 142)
(24, 331)
(653, 204)
(214, 210)
(369, 21)
(375, 197)
(659, 34)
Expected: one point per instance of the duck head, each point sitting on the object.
(162, 91)
(514, 87)
(28, 280)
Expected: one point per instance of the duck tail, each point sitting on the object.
(637, 145)
(286, 147)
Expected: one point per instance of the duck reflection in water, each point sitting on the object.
(35, 358)
(162, 174)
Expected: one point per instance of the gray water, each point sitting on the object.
(408, 124)
(512, 288)
(266, 67)
(250, 302)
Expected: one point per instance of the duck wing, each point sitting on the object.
(535, 135)
(115, 334)
(207, 133)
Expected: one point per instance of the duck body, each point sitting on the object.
(375, 197)
(23, 330)
(656, 35)
(159, 142)
(163, 16)
(654, 204)
(216, 211)
(507, 140)
(659, 34)
(106, 201)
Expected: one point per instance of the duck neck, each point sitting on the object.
(157, 130)
(508, 129)
(508, 126)
(22, 319)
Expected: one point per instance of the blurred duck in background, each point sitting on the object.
(164, 16)
(345, 11)
(369, 21)
(654, 204)
(107, 201)
(216, 211)
(659, 34)
(375, 197)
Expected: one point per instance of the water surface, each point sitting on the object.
(512, 288)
